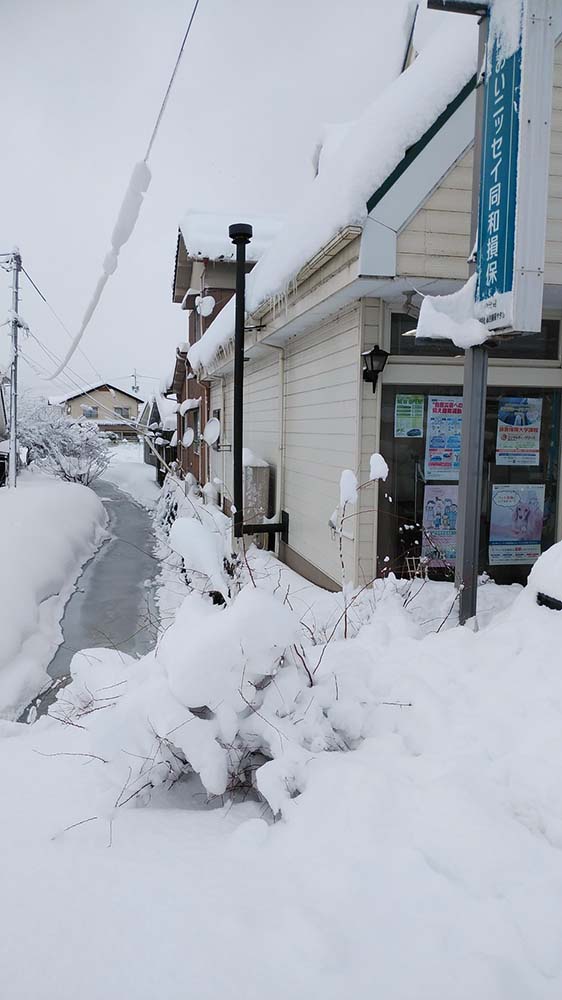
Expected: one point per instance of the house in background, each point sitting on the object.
(113, 409)
(204, 282)
(389, 218)
(157, 421)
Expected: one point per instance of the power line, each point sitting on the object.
(122, 420)
(59, 320)
(129, 212)
(171, 83)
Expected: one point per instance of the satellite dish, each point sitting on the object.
(205, 305)
(187, 439)
(212, 431)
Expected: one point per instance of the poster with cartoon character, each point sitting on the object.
(519, 431)
(516, 523)
(443, 441)
(439, 542)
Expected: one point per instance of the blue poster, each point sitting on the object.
(443, 440)
(519, 431)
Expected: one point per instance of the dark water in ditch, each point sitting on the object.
(113, 604)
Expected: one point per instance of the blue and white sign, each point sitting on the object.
(498, 189)
(514, 170)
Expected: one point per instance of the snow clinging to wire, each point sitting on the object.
(130, 208)
(126, 221)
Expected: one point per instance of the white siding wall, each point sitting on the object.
(321, 436)
(436, 242)
(261, 416)
(261, 407)
(371, 324)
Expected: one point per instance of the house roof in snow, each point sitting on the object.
(56, 400)
(205, 235)
(159, 409)
(376, 149)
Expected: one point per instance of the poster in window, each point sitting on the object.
(439, 543)
(519, 431)
(516, 523)
(408, 415)
(443, 442)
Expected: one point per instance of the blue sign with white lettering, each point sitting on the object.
(498, 190)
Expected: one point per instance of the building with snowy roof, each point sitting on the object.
(113, 409)
(157, 422)
(386, 221)
(203, 284)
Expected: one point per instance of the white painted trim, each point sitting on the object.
(408, 194)
(377, 253)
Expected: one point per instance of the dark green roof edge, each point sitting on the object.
(414, 151)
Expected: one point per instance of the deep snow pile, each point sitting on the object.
(426, 863)
(245, 687)
(48, 530)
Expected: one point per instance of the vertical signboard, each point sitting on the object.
(514, 168)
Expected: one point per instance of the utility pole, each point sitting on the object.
(134, 387)
(13, 453)
(475, 366)
(474, 402)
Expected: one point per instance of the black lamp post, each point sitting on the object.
(240, 233)
(373, 364)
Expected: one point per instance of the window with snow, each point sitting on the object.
(91, 412)
(543, 346)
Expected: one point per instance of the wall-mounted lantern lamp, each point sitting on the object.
(373, 364)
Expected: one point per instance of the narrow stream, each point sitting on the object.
(113, 604)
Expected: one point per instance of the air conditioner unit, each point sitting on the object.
(256, 492)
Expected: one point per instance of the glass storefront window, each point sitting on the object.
(420, 439)
(543, 346)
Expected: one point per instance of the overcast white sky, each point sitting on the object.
(82, 81)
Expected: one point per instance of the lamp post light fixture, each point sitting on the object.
(373, 364)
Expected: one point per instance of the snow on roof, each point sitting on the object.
(166, 407)
(355, 168)
(205, 235)
(57, 400)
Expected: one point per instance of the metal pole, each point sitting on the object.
(240, 234)
(13, 453)
(474, 407)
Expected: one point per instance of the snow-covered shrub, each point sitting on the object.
(238, 693)
(73, 450)
(197, 534)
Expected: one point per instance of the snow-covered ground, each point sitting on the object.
(48, 530)
(424, 864)
(405, 842)
(132, 475)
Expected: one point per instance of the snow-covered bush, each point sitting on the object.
(239, 691)
(73, 450)
(228, 693)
